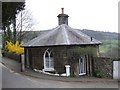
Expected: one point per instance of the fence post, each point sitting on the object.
(116, 70)
(22, 63)
(67, 70)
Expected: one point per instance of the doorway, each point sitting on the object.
(82, 65)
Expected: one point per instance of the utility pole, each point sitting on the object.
(21, 28)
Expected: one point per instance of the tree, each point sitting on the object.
(9, 12)
(15, 48)
(24, 23)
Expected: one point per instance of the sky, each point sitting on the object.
(98, 15)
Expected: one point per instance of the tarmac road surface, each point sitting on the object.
(11, 79)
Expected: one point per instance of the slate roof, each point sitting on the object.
(61, 35)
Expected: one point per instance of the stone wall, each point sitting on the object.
(63, 55)
(12, 56)
(37, 61)
(103, 67)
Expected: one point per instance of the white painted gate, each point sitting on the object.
(116, 70)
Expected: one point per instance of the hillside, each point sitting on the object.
(100, 35)
(110, 47)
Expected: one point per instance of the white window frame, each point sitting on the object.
(49, 58)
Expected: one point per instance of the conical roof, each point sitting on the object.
(61, 35)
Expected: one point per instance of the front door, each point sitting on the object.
(82, 65)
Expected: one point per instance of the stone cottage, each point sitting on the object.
(60, 46)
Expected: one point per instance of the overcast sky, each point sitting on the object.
(99, 15)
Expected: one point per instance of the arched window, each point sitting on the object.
(48, 61)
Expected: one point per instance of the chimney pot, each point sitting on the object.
(62, 10)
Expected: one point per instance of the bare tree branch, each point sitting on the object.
(25, 23)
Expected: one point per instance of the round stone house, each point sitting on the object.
(53, 49)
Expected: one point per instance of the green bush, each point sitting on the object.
(99, 74)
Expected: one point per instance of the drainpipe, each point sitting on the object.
(67, 70)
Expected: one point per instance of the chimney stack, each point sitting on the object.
(62, 18)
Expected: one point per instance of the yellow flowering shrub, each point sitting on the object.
(15, 48)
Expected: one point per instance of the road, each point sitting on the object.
(10, 79)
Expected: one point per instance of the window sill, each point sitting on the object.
(82, 74)
(48, 69)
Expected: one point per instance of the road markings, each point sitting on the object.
(1, 64)
(17, 73)
(11, 71)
